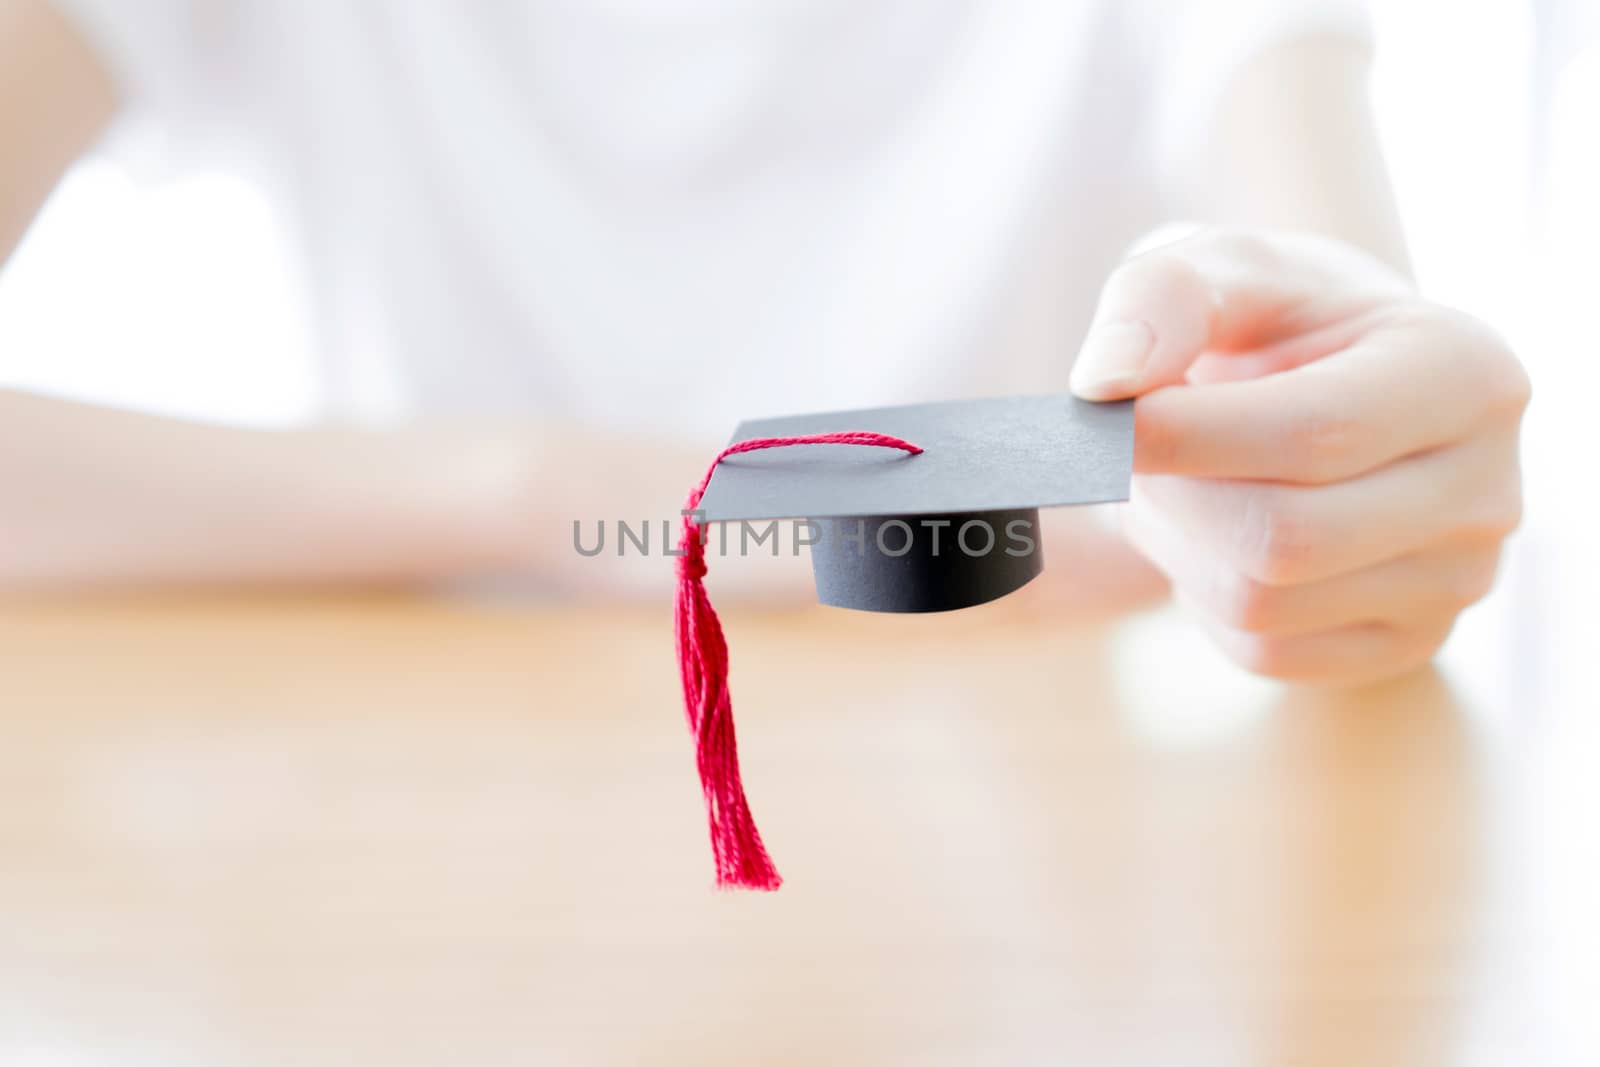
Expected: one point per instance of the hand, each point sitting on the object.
(1326, 464)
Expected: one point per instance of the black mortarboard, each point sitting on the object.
(951, 527)
(925, 507)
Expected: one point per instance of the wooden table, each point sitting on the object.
(314, 830)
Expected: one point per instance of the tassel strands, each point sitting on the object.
(741, 858)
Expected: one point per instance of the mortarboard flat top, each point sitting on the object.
(978, 455)
(989, 463)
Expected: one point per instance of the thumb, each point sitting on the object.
(1221, 291)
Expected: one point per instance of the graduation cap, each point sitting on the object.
(922, 507)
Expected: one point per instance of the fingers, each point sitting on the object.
(1220, 291)
(1352, 628)
(1419, 378)
(1345, 582)
(1289, 534)
(1417, 589)
(1349, 655)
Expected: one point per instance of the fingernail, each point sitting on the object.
(1111, 363)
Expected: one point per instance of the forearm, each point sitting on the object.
(92, 495)
(95, 496)
(55, 98)
(1294, 146)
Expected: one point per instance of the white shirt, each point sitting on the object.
(669, 216)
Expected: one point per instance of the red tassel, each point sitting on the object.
(741, 858)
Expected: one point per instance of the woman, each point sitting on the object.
(559, 249)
